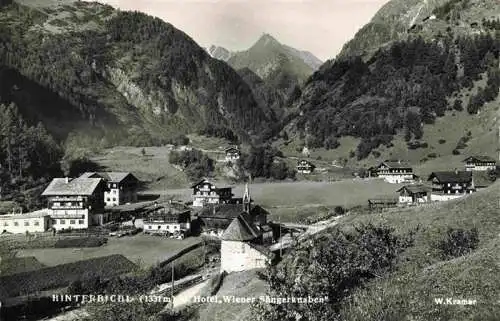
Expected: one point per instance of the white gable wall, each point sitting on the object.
(239, 256)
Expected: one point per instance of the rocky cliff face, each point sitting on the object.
(401, 19)
(141, 74)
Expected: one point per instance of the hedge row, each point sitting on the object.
(81, 242)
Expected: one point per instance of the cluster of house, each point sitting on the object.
(241, 225)
(98, 198)
(76, 203)
(443, 185)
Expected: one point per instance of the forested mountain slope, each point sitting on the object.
(403, 84)
(133, 78)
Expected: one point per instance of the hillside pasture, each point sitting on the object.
(423, 275)
(153, 167)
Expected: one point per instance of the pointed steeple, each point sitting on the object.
(246, 199)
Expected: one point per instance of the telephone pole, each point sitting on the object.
(172, 292)
(281, 238)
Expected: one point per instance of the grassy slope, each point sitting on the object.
(423, 276)
(241, 285)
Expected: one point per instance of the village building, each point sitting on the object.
(35, 222)
(205, 192)
(448, 185)
(480, 163)
(232, 154)
(168, 222)
(305, 167)
(414, 194)
(122, 187)
(242, 246)
(215, 219)
(396, 172)
(76, 203)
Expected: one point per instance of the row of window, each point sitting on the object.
(71, 222)
(26, 223)
(109, 199)
(150, 227)
(56, 204)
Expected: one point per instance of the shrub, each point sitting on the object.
(442, 141)
(455, 152)
(330, 265)
(195, 163)
(458, 242)
(179, 140)
(432, 155)
(458, 105)
(339, 210)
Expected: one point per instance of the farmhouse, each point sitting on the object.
(395, 172)
(122, 187)
(205, 192)
(232, 154)
(305, 167)
(480, 163)
(38, 221)
(451, 184)
(414, 194)
(168, 222)
(241, 246)
(75, 203)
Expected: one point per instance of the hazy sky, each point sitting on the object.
(319, 26)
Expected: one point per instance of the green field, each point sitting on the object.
(293, 200)
(144, 250)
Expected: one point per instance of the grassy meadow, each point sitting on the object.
(143, 250)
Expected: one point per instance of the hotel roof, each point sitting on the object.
(114, 177)
(71, 187)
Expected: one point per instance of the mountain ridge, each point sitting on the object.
(151, 79)
(443, 59)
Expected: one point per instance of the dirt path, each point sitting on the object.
(186, 296)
